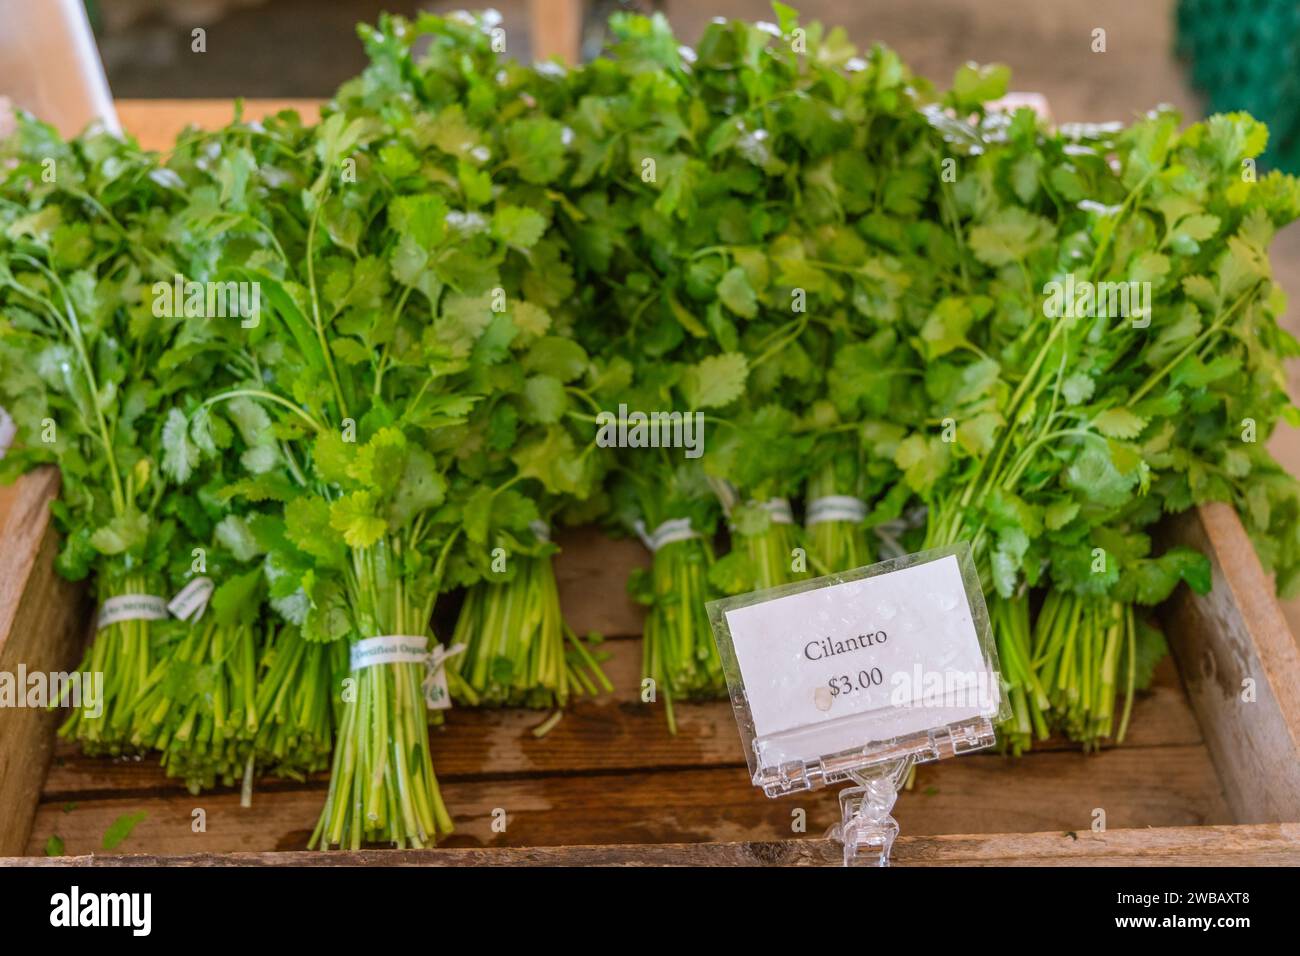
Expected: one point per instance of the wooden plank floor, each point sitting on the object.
(1057, 791)
(609, 772)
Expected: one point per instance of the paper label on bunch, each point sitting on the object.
(898, 648)
(192, 600)
(436, 695)
(130, 607)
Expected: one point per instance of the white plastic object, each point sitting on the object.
(50, 66)
(866, 828)
(7, 431)
(857, 676)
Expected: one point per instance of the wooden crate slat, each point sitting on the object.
(155, 124)
(1144, 786)
(41, 621)
(1269, 844)
(1233, 634)
(556, 29)
(1156, 786)
(591, 573)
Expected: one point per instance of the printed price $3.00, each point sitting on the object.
(862, 680)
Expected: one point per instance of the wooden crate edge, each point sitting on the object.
(1268, 844)
(1241, 667)
(41, 624)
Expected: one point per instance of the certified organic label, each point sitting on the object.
(395, 649)
(897, 650)
(406, 649)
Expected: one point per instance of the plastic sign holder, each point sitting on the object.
(857, 677)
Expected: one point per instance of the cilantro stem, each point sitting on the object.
(326, 355)
(131, 244)
(1215, 326)
(546, 726)
(951, 219)
(587, 659)
(292, 463)
(1130, 635)
(585, 396)
(73, 329)
(1125, 207)
(184, 142)
(800, 324)
(270, 397)
(1026, 455)
(383, 355)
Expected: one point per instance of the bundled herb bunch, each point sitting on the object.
(522, 457)
(80, 371)
(894, 301)
(405, 300)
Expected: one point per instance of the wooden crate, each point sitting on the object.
(1204, 778)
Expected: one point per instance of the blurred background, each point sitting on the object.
(305, 48)
(1093, 60)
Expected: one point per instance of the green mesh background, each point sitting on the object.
(1245, 55)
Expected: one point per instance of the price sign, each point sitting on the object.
(877, 658)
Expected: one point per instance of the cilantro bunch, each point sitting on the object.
(198, 706)
(1096, 425)
(673, 509)
(115, 224)
(410, 284)
(81, 346)
(523, 451)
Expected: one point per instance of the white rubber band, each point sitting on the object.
(130, 607)
(780, 510)
(835, 508)
(674, 529)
